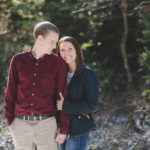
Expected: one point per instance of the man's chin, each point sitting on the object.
(48, 53)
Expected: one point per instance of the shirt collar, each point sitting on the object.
(33, 58)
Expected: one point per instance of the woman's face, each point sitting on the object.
(67, 52)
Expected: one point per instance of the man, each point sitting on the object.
(35, 79)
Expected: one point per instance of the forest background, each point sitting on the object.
(114, 36)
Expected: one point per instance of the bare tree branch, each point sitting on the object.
(124, 6)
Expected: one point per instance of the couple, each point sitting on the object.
(42, 85)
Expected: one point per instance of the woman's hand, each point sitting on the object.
(60, 102)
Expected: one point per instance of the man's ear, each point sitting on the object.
(40, 38)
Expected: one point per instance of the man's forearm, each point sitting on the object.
(9, 112)
(64, 123)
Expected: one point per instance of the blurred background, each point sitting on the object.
(115, 38)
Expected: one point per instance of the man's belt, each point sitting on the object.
(33, 118)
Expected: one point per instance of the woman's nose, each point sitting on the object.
(65, 53)
(54, 46)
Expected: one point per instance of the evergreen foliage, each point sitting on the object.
(144, 58)
(97, 25)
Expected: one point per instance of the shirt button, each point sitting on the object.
(32, 94)
(31, 104)
(33, 83)
(37, 64)
(35, 74)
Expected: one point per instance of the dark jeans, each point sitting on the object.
(75, 143)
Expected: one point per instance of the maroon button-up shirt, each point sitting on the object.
(34, 85)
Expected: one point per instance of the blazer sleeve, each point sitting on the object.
(90, 101)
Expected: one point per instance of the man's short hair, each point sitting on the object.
(43, 28)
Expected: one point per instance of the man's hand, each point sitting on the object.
(60, 138)
(60, 102)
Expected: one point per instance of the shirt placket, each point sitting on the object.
(33, 84)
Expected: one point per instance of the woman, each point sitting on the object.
(82, 95)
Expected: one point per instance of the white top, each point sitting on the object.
(35, 56)
(69, 76)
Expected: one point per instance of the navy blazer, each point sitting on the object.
(82, 101)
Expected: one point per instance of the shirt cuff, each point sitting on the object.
(64, 131)
(9, 121)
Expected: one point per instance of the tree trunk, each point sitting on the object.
(124, 6)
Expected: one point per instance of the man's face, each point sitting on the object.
(49, 42)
